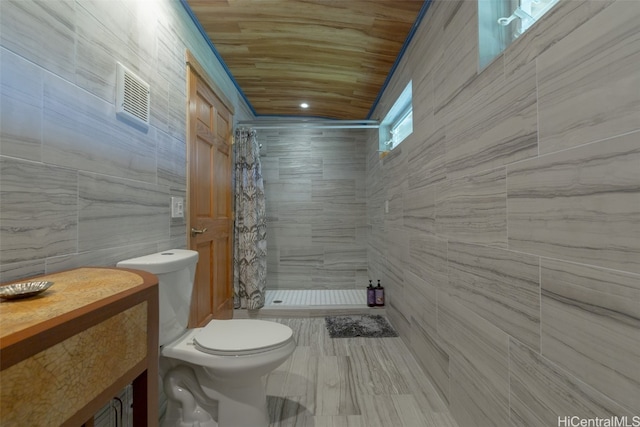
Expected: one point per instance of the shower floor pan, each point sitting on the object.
(312, 303)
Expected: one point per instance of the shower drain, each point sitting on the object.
(277, 301)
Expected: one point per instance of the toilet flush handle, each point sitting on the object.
(195, 231)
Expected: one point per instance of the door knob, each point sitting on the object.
(195, 231)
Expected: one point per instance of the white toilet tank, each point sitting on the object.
(176, 269)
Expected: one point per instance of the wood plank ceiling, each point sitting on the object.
(334, 55)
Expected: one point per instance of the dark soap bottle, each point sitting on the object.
(371, 295)
(379, 293)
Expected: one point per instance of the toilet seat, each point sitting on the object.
(240, 337)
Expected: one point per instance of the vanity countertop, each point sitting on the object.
(72, 290)
(67, 351)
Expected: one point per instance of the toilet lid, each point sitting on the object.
(241, 336)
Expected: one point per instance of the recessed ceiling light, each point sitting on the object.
(304, 105)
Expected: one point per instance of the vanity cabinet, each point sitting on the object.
(66, 352)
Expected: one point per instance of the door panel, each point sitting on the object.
(203, 203)
(222, 124)
(222, 300)
(221, 170)
(200, 306)
(210, 212)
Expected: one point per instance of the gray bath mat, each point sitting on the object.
(367, 326)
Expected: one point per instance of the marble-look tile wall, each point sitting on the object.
(77, 186)
(511, 247)
(316, 208)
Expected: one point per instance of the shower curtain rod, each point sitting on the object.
(310, 124)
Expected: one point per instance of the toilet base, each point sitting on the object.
(239, 405)
(193, 403)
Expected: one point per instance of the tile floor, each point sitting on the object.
(358, 382)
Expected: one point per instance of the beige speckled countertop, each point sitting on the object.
(71, 290)
(94, 331)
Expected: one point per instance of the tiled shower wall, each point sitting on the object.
(316, 209)
(77, 186)
(511, 249)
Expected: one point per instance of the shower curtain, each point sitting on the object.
(250, 241)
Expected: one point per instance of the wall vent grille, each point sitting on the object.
(132, 98)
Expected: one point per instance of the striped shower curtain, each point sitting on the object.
(250, 241)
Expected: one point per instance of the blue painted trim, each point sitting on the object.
(203, 33)
(412, 32)
(421, 14)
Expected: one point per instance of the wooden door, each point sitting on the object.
(210, 221)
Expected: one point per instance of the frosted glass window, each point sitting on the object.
(502, 21)
(402, 128)
(398, 123)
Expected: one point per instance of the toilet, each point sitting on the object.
(213, 375)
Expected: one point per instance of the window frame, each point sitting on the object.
(398, 115)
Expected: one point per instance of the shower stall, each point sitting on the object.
(314, 181)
